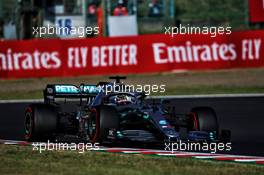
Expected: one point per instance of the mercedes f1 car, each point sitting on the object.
(101, 117)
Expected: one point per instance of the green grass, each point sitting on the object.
(184, 83)
(36, 94)
(22, 160)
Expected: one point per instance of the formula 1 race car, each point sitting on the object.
(113, 117)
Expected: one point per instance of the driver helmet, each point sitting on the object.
(122, 99)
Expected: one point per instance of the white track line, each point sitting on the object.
(249, 160)
(158, 97)
(209, 96)
(22, 101)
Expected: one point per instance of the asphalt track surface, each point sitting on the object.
(243, 115)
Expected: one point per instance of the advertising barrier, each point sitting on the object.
(256, 11)
(133, 54)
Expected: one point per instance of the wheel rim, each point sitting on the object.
(28, 123)
(93, 126)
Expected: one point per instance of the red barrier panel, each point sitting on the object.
(123, 55)
(256, 10)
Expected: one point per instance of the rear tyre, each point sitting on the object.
(40, 122)
(101, 120)
(205, 119)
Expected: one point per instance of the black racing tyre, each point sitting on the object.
(40, 122)
(205, 119)
(101, 120)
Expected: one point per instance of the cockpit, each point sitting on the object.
(122, 99)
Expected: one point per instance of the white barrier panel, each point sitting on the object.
(122, 25)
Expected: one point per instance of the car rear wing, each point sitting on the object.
(53, 91)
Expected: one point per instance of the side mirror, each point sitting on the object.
(141, 96)
(165, 105)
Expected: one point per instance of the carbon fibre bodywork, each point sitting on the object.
(114, 117)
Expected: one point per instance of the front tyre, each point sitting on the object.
(205, 119)
(101, 120)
